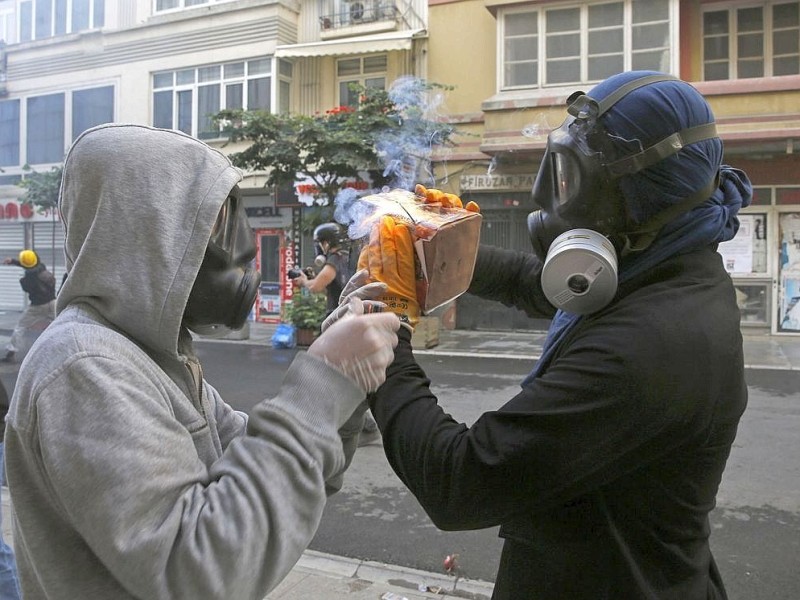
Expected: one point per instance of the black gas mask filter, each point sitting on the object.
(583, 224)
(227, 285)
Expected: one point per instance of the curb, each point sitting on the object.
(403, 577)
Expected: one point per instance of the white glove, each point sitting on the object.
(360, 347)
(355, 289)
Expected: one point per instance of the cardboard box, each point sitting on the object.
(426, 333)
(445, 240)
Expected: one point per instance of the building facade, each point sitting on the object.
(515, 62)
(66, 65)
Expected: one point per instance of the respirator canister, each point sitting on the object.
(580, 272)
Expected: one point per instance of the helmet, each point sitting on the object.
(28, 259)
(333, 233)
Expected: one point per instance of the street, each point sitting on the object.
(755, 528)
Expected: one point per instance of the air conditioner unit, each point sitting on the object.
(357, 11)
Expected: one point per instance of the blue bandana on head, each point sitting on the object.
(649, 114)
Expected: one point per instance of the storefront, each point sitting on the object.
(764, 260)
(22, 227)
(277, 231)
(505, 201)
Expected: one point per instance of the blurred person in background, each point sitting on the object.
(40, 285)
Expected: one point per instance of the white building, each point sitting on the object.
(67, 65)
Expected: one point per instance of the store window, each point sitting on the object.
(368, 71)
(760, 40)
(188, 99)
(555, 45)
(746, 258)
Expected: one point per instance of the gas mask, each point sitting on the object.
(584, 224)
(326, 237)
(226, 285)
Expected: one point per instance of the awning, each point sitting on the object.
(379, 42)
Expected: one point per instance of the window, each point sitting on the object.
(36, 130)
(188, 99)
(164, 5)
(8, 26)
(580, 44)
(761, 40)
(369, 71)
(9, 133)
(40, 19)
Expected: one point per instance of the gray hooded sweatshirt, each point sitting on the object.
(130, 477)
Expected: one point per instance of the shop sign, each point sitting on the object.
(23, 211)
(309, 194)
(496, 182)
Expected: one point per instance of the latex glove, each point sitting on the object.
(358, 289)
(360, 347)
(391, 259)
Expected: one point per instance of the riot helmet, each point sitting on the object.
(327, 237)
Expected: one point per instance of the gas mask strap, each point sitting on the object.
(645, 235)
(670, 145)
(626, 89)
(581, 106)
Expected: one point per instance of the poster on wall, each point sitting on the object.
(737, 254)
(790, 304)
(789, 299)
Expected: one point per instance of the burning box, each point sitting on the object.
(446, 242)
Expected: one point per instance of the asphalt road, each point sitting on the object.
(755, 527)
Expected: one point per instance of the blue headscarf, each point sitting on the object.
(649, 114)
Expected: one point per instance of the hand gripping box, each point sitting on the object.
(446, 242)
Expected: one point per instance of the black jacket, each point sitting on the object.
(602, 471)
(38, 283)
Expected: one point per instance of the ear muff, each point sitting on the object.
(28, 259)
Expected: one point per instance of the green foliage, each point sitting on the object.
(307, 311)
(330, 147)
(41, 188)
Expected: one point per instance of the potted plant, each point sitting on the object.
(306, 313)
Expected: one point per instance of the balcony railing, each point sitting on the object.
(358, 13)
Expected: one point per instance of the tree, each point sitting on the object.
(391, 132)
(41, 188)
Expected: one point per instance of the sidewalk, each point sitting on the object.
(327, 577)
(761, 350)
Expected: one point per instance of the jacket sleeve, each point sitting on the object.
(582, 424)
(512, 278)
(126, 475)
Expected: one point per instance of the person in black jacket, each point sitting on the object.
(40, 285)
(601, 472)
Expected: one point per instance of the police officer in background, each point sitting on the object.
(40, 285)
(332, 261)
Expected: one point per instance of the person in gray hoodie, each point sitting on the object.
(129, 476)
